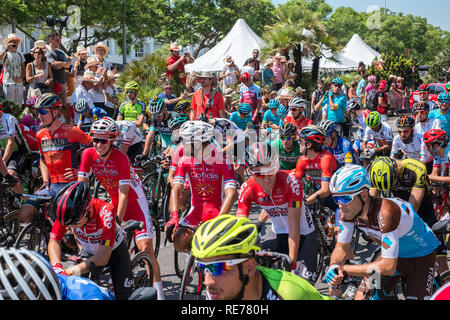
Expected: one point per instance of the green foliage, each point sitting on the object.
(440, 69)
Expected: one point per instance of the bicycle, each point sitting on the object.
(441, 201)
(9, 216)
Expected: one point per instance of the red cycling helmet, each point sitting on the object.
(435, 135)
(423, 88)
(245, 77)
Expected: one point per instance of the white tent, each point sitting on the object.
(239, 43)
(357, 50)
(329, 62)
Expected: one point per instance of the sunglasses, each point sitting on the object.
(218, 268)
(42, 111)
(344, 199)
(100, 140)
(421, 112)
(131, 91)
(337, 85)
(287, 138)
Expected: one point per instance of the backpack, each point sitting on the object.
(371, 101)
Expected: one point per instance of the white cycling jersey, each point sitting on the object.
(420, 129)
(129, 134)
(382, 136)
(413, 149)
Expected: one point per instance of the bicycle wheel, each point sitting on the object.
(181, 259)
(100, 192)
(156, 236)
(192, 282)
(156, 145)
(9, 228)
(142, 269)
(34, 238)
(153, 190)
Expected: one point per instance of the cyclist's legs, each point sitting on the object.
(121, 273)
(307, 257)
(14, 166)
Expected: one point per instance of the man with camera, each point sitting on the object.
(175, 63)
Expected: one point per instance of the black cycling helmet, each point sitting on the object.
(258, 154)
(183, 106)
(405, 121)
(72, 203)
(176, 120)
(288, 129)
(420, 105)
(47, 101)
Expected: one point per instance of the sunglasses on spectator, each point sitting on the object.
(217, 268)
(287, 138)
(100, 140)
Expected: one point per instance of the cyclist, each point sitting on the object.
(436, 141)
(208, 174)
(183, 106)
(424, 96)
(279, 194)
(378, 131)
(282, 113)
(251, 93)
(340, 147)
(95, 228)
(129, 141)
(287, 146)
(407, 144)
(88, 114)
(159, 122)
(297, 106)
(231, 271)
(407, 244)
(243, 117)
(442, 113)
(58, 145)
(407, 179)
(133, 109)
(271, 118)
(29, 276)
(359, 116)
(113, 170)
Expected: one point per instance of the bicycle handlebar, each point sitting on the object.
(34, 197)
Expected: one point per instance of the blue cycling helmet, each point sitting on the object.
(350, 179)
(282, 111)
(444, 96)
(244, 108)
(274, 104)
(338, 81)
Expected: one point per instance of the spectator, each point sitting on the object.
(299, 91)
(169, 98)
(268, 75)
(14, 69)
(207, 99)
(256, 65)
(284, 96)
(278, 69)
(98, 90)
(266, 97)
(290, 72)
(80, 63)
(230, 104)
(361, 85)
(335, 102)
(249, 68)
(352, 90)
(361, 68)
(382, 100)
(101, 50)
(39, 72)
(230, 73)
(175, 63)
(316, 96)
(372, 85)
(111, 93)
(83, 91)
(191, 85)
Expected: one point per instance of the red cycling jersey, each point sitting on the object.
(59, 150)
(300, 123)
(321, 168)
(101, 228)
(207, 177)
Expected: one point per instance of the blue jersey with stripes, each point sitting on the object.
(78, 288)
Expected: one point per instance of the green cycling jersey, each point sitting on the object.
(131, 112)
(288, 160)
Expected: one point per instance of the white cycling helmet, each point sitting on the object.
(26, 275)
(104, 126)
(350, 179)
(297, 102)
(196, 131)
(81, 106)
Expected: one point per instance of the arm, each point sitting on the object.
(123, 201)
(294, 215)
(44, 172)
(174, 66)
(100, 258)
(140, 120)
(54, 251)
(416, 197)
(9, 149)
(228, 202)
(434, 176)
(148, 142)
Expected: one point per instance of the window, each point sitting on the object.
(432, 89)
(439, 89)
(139, 50)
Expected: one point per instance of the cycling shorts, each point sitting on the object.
(16, 162)
(138, 210)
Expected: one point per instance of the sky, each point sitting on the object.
(435, 11)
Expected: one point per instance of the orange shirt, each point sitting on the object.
(199, 104)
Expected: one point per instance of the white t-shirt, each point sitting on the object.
(382, 136)
(420, 129)
(248, 69)
(112, 93)
(98, 95)
(231, 78)
(13, 67)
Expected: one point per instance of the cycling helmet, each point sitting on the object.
(423, 88)
(350, 179)
(104, 126)
(156, 106)
(435, 135)
(405, 121)
(224, 235)
(245, 77)
(288, 129)
(383, 173)
(244, 108)
(72, 203)
(373, 120)
(273, 104)
(444, 96)
(313, 133)
(31, 101)
(81, 106)
(420, 105)
(328, 126)
(202, 117)
(260, 154)
(26, 275)
(196, 131)
(297, 102)
(182, 106)
(48, 100)
(338, 81)
(176, 120)
(353, 104)
(282, 111)
(132, 85)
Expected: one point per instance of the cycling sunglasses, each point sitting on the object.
(344, 199)
(100, 140)
(288, 138)
(131, 91)
(217, 268)
(43, 111)
(421, 112)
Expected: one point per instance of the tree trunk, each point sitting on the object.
(315, 69)
(297, 53)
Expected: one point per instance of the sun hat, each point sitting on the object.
(228, 60)
(91, 61)
(80, 50)
(39, 44)
(11, 37)
(175, 47)
(101, 45)
(89, 76)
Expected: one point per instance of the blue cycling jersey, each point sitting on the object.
(445, 119)
(78, 288)
(343, 152)
(276, 120)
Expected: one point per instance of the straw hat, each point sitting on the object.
(39, 44)
(228, 60)
(175, 47)
(89, 76)
(205, 74)
(80, 50)
(91, 61)
(286, 93)
(101, 45)
(228, 93)
(11, 37)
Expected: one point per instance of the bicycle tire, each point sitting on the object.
(180, 261)
(156, 236)
(156, 147)
(148, 185)
(38, 239)
(192, 282)
(100, 192)
(10, 227)
(142, 269)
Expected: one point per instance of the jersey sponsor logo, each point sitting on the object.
(348, 158)
(294, 184)
(107, 217)
(128, 283)
(203, 175)
(105, 171)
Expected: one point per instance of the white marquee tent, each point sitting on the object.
(357, 50)
(239, 43)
